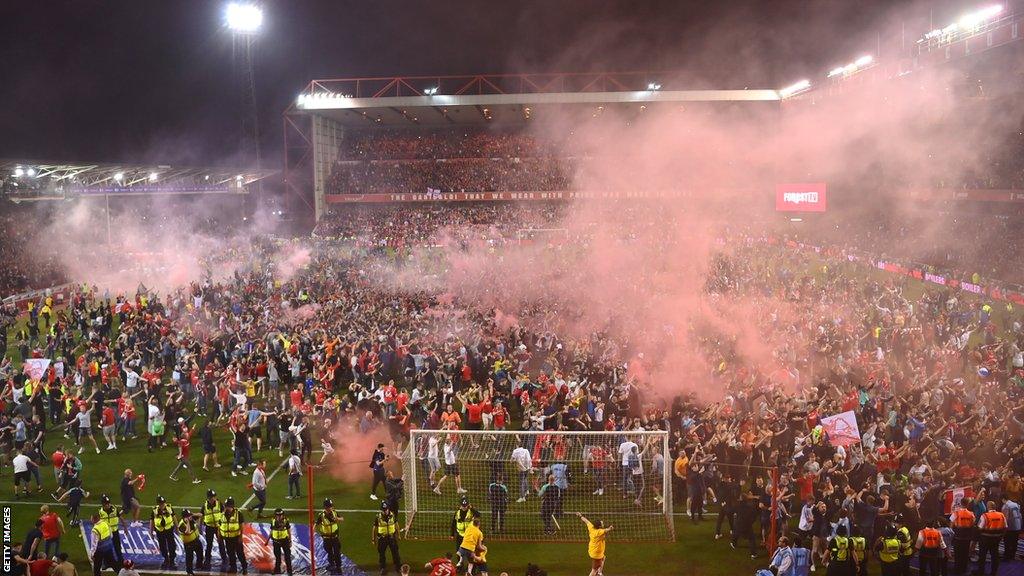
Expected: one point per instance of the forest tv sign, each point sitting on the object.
(800, 197)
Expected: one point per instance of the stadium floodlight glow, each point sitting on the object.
(430, 91)
(19, 172)
(119, 176)
(794, 89)
(152, 176)
(653, 86)
(862, 62)
(31, 172)
(243, 18)
(966, 22)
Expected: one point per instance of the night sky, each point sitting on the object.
(150, 81)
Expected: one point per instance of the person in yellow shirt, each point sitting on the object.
(595, 548)
(471, 540)
(480, 560)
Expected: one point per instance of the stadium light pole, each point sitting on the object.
(245, 21)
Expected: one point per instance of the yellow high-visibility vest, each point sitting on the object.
(461, 525)
(210, 513)
(110, 518)
(163, 521)
(326, 528)
(229, 525)
(102, 531)
(188, 531)
(386, 526)
(890, 550)
(906, 548)
(842, 548)
(280, 532)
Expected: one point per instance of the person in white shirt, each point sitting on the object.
(294, 473)
(524, 464)
(84, 427)
(451, 467)
(22, 472)
(625, 449)
(259, 487)
(433, 459)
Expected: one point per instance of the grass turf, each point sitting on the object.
(695, 552)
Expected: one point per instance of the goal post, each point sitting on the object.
(529, 485)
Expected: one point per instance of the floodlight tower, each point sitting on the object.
(244, 21)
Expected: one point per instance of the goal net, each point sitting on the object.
(530, 485)
(543, 236)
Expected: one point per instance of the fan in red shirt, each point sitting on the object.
(474, 415)
(500, 415)
(441, 566)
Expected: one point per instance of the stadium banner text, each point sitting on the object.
(434, 195)
(141, 547)
(801, 197)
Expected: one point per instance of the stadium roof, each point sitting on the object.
(505, 98)
(23, 177)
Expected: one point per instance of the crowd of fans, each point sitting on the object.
(934, 381)
(433, 144)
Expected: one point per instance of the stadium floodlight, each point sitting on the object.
(119, 176)
(19, 172)
(794, 89)
(152, 176)
(653, 86)
(977, 18)
(243, 18)
(430, 91)
(862, 62)
(238, 178)
(31, 172)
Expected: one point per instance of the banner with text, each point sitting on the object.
(800, 197)
(141, 547)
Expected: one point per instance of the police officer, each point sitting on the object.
(103, 553)
(161, 525)
(385, 536)
(327, 527)
(839, 554)
(963, 533)
(210, 513)
(906, 545)
(931, 549)
(991, 529)
(112, 515)
(859, 545)
(229, 526)
(281, 537)
(188, 528)
(888, 548)
(461, 520)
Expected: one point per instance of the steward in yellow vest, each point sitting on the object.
(327, 527)
(281, 537)
(385, 536)
(210, 513)
(161, 524)
(111, 515)
(229, 526)
(188, 527)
